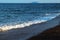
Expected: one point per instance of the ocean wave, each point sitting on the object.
(9, 27)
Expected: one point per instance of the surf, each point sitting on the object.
(29, 23)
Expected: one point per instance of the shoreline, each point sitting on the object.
(29, 31)
(50, 34)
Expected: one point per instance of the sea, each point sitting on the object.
(20, 15)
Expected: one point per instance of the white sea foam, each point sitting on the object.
(5, 27)
(9, 27)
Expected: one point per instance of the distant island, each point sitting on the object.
(35, 2)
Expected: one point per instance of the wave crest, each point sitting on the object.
(9, 27)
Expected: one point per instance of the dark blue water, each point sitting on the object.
(16, 14)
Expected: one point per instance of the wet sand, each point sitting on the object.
(50, 34)
(15, 34)
(29, 31)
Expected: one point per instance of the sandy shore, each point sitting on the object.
(29, 31)
(50, 34)
(15, 34)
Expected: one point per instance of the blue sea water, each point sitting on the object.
(16, 14)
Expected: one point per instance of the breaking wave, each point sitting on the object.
(9, 27)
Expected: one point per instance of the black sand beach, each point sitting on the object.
(50, 34)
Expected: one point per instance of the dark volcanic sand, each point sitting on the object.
(50, 34)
